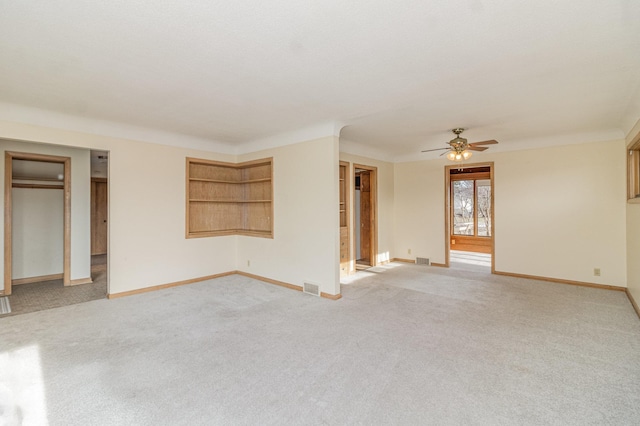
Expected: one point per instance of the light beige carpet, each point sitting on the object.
(409, 345)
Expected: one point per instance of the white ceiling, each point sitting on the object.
(398, 74)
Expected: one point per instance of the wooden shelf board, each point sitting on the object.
(228, 201)
(36, 186)
(230, 181)
(234, 231)
(44, 179)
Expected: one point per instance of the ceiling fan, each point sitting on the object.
(460, 149)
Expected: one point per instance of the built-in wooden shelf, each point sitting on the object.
(343, 189)
(44, 179)
(229, 198)
(195, 200)
(230, 181)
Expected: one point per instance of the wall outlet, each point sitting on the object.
(408, 251)
(248, 263)
(596, 272)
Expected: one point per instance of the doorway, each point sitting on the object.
(469, 218)
(42, 174)
(31, 180)
(365, 216)
(99, 213)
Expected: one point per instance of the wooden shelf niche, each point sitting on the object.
(344, 218)
(229, 198)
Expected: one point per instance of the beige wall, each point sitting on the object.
(559, 212)
(385, 204)
(633, 235)
(147, 220)
(147, 244)
(306, 222)
(419, 210)
(80, 201)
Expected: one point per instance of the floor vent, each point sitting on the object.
(311, 289)
(423, 261)
(5, 308)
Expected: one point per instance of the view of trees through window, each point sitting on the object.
(471, 206)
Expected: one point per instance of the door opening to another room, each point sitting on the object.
(99, 214)
(38, 217)
(470, 214)
(365, 206)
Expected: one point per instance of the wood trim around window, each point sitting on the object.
(633, 170)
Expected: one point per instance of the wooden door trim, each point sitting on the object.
(447, 211)
(373, 220)
(8, 211)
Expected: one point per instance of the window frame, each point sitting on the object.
(474, 177)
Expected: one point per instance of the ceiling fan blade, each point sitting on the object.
(444, 153)
(477, 148)
(437, 149)
(490, 142)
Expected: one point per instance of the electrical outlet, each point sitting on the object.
(596, 272)
(408, 251)
(249, 263)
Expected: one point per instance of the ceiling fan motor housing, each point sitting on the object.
(458, 144)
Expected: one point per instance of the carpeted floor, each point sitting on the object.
(43, 295)
(406, 345)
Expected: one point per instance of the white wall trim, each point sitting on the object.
(67, 122)
(361, 150)
(289, 138)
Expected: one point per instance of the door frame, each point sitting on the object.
(8, 211)
(447, 210)
(373, 218)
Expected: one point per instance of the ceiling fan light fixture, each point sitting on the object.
(459, 155)
(460, 148)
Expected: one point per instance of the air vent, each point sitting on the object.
(423, 261)
(313, 289)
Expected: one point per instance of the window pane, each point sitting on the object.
(484, 208)
(463, 207)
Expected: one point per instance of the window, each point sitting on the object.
(483, 207)
(471, 207)
(463, 207)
